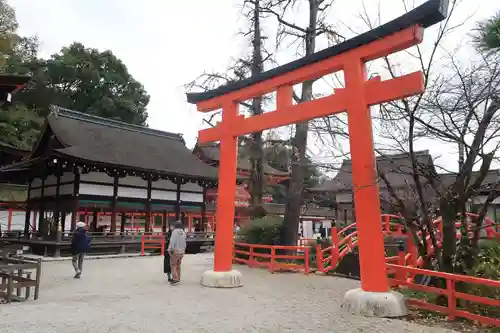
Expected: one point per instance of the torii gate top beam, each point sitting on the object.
(426, 15)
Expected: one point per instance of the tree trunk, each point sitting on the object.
(449, 245)
(256, 183)
(299, 142)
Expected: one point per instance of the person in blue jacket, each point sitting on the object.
(80, 245)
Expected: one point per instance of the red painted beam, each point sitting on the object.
(383, 47)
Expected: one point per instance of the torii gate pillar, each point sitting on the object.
(374, 297)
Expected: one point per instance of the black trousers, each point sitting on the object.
(166, 263)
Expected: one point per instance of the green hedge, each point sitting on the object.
(265, 230)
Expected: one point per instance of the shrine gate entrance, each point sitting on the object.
(355, 99)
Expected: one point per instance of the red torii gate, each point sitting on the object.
(355, 99)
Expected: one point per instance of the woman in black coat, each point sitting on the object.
(167, 269)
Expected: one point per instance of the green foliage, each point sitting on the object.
(8, 27)
(488, 262)
(488, 267)
(89, 81)
(488, 36)
(77, 78)
(265, 230)
(19, 126)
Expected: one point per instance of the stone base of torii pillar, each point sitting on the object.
(230, 279)
(389, 304)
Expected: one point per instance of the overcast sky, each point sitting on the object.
(166, 44)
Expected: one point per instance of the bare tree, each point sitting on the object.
(241, 68)
(460, 108)
(306, 36)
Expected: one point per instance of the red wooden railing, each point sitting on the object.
(402, 278)
(270, 258)
(152, 242)
(345, 240)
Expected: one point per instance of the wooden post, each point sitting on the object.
(95, 216)
(57, 214)
(178, 201)
(63, 221)
(41, 217)
(122, 222)
(28, 213)
(76, 204)
(165, 221)
(9, 220)
(204, 210)
(190, 222)
(114, 204)
(147, 224)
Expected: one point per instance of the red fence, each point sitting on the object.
(268, 256)
(152, 242)
(401, 279)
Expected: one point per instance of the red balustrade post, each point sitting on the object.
(306, 260)
(335, 248)
(250, 258)
(387, 223)
(401, 272)
(452, 301)
(273, 258)
(319, 259)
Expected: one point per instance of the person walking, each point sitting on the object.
(167, 268)
(176, 249)
(80, 245)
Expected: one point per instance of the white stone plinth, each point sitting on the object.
(375, 304)
(231, 279)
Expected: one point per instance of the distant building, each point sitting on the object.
(210, 154)
(397, 170)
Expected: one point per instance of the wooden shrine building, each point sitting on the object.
(86, 165)
(210, 154)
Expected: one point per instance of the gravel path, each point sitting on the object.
(132, 295)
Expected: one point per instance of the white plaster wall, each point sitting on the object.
(163, 195)
(104, 190)
(192, 187)
(192, 197)
(129, 192)
(133, 181)
(96, 177)
(164, 184)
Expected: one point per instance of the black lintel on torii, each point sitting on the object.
(426, 15)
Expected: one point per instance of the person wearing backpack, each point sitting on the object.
(176, 249)
(80, 245)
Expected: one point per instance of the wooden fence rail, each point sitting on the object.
(270, 256)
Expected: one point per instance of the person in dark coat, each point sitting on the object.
(167, 269)
(80, 245)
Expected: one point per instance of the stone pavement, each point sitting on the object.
(132, 295)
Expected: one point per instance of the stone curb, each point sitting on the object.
(112, 256)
